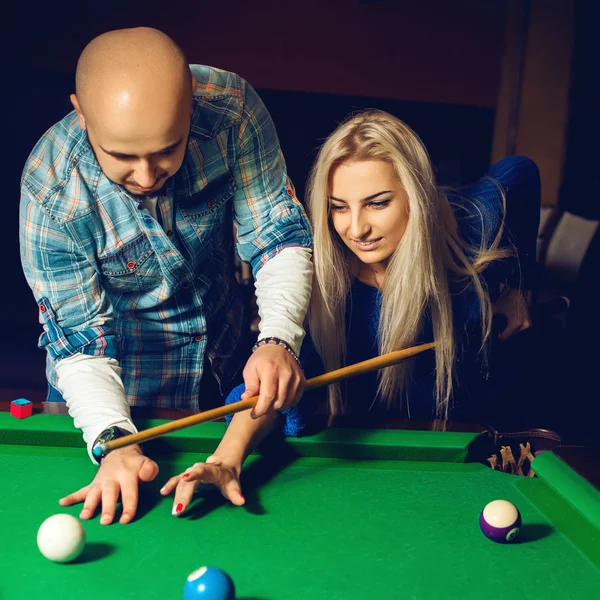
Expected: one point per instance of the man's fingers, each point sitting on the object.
(268, 392)
(110, 496)
(293, 392)
(299, 388)
(273, 375)
(284, 391)
(75, 497)
(92, 500)
(119, 474)
(251, 383)
(148, 470)
(264, 402)
(129, 499)
(250, 392)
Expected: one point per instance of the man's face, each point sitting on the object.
(142, 154)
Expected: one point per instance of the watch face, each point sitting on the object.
(112, 433)
(109, 435)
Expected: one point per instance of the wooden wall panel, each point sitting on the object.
(427, 51)
(541, 84)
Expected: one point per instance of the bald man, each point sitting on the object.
(130, 209)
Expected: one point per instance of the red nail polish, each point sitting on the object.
(179, 508)
(186, 474)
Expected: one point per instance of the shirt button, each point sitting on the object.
(199, 338)
(170, 233)
(43, 308)
(210, 203)
(130, 264)
(186, 285)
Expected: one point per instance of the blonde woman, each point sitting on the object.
(399, 261)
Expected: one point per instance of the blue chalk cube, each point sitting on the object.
(21, 402)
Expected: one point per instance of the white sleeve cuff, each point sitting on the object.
(95, 396)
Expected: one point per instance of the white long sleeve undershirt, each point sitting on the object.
(92, 385)
(94, 393)
(283, 289)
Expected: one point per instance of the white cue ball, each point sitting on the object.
(61, 538)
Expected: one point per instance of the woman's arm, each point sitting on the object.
(520, 179)
(244, 433)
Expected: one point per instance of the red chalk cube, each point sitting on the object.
(21, 408)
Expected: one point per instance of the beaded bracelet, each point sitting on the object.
(279, 342)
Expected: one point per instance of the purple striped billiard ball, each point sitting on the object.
(500, 521)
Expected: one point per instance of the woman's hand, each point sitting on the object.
(215, 471)
(514, 306)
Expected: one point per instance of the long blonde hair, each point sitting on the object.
(417, 276)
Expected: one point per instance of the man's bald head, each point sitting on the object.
(134, 98)
(128, 68)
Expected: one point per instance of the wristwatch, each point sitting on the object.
(109, 434)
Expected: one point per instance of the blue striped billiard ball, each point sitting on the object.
(500, 521)
(208, 583)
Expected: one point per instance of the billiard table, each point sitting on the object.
(345, 513)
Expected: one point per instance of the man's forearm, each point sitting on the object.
(283, 287)
(94, 393)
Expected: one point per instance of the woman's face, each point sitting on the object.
(369, 209)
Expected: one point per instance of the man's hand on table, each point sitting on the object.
(225, 475)
(273, 375)
(118, 475)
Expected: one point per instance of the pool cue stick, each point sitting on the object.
(366, 366)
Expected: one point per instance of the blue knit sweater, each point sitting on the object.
(477, 384)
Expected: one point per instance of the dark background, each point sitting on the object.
(436, 64)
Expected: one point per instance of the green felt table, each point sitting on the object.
(346, 513)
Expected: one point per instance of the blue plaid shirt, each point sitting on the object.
(111, 280)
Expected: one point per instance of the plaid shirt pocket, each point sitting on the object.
(134, 268)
